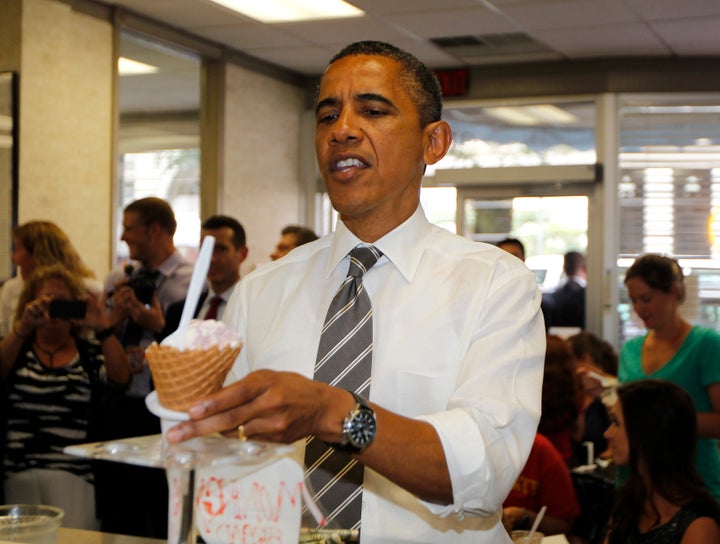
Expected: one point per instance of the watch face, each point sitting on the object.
(362, 429)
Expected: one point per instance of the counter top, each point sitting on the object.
(79, 536)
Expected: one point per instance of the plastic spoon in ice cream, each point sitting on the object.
(197, 281)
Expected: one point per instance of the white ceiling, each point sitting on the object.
(507, 31)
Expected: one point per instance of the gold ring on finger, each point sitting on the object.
(241, 433)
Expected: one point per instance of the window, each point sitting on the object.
(159, 134)
(669, 196)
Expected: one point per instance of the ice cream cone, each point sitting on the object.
(184, 376)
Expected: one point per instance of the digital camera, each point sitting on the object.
(142, 283)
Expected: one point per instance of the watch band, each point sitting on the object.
(104, 333)
(360, 405)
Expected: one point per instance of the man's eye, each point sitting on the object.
(326, 117)
(370, 112)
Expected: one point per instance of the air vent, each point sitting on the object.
(495, 48)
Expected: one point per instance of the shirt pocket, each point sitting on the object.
(423, 393)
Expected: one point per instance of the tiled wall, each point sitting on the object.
(65, 125)
(261, 158)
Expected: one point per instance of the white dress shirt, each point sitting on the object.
(459, 341)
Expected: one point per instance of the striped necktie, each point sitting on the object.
(344, 360)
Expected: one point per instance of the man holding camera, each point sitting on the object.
(137, 295)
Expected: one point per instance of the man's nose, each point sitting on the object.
(346, 128)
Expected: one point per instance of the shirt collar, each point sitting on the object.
(403, 246)
(225, 295)
(171, 264)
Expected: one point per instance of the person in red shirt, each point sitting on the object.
(544, 481)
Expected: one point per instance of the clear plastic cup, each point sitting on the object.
(30, 523)
(523, 537)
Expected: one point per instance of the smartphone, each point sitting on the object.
(67, 309)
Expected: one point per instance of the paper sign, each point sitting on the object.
(241, 505)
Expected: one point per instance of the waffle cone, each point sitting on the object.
(183, 376)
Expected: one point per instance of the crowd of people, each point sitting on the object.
(72, 378)
(419, 360)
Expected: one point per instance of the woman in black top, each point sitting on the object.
(664, 501)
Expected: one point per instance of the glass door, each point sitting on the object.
(548, 221)
(548, 227)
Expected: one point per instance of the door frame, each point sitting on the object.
(561, 180)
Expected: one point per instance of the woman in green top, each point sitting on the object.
(675, 350)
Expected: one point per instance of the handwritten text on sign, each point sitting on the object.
(240, 505)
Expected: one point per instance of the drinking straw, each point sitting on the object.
(535, 525)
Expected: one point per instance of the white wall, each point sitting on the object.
(261, 162)
(66, 104)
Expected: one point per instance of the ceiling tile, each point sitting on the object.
(689, 30)
(308, 60)
(455, 22)
(568, 14)
(251, 35)
(344, 30)
(410, 6)
(653, 10)
(609, 40)
(184, 13)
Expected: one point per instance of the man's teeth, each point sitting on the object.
(349, 163)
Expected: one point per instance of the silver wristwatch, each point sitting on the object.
(359, 427)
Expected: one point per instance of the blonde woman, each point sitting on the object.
(35, 244)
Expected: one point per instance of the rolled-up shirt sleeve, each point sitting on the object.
(491, 419)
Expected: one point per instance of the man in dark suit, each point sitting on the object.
(565, 307)
(229, 252)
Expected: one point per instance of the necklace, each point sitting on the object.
(50, 353)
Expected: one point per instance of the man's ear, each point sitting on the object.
(154, 228)
(438, 139)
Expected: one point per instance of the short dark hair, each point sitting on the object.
(154, 210)
(225, 221)
(303, 235)
(658, 272)
(600, 351)
(512, 241)
(573, 262)
(420, 81)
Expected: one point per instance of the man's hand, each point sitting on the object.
(271, 406)
(123, 298)
(127, 306)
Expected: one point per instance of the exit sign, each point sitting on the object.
(454, 82)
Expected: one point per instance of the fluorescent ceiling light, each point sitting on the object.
(277, 11)
(540, 114)
(129, 67)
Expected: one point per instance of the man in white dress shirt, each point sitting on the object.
(458, 337)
